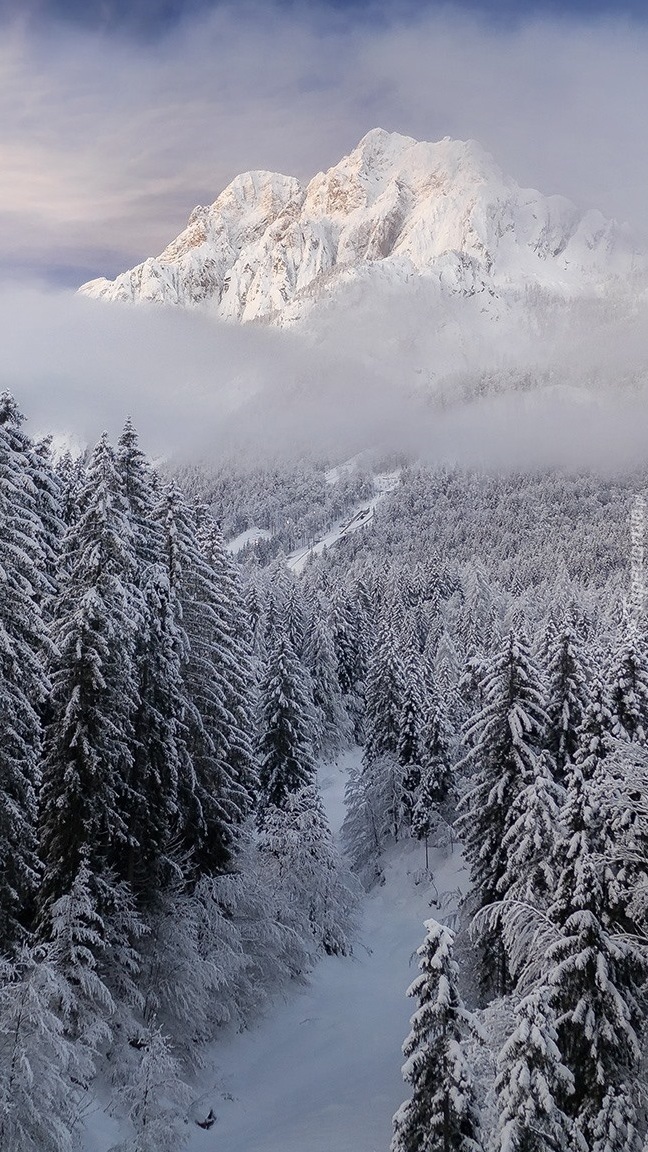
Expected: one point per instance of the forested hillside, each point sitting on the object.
(167, 863)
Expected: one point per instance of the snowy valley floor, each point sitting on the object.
(321, 1071)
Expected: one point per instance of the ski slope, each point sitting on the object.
(250, 536)
(361, 515)
(321, 1073)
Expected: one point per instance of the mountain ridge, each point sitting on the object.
(269, 248)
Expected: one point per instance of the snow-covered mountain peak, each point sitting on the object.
(395, 207)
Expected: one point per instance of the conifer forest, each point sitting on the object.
(476, 655)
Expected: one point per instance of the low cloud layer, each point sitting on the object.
(108, 142)
(203, 389)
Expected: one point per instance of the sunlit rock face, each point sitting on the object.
(394, 209)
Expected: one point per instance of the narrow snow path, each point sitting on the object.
(321, 1073)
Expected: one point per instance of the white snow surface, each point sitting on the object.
(334, 475)
(322, 1071)
(394, 210)
(250, 536)
(359, 517)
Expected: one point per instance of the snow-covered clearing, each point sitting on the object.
(361, 515)
(250, 536)
(321, 1073)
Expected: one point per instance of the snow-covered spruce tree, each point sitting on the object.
(377, 808)
(628, 679)
(234, 641)
(48, 491)
(43, 1072)
(567, 696)
(384, 697)
(620, 793)
(78, 941)
(470, 682)
(88, 741)
(441, 1115)
(69, 476)
(287, 722)
(140, 486)
(437, 777)
(295, 615)
(298, 839)
(531, 1080)
(155, 1101)
(211, 799)
(615, 1129)
(531, 842)
(409, 748)
(596, 981)
(595, 730)
(503, 741)
(160, 755)
(23, 682)
(447, 673)
(349, 642)
(375, 814)
(161, 763)
(477, 612)
(254, 608)
(333, 728)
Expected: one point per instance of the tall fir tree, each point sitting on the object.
(350, 644)
(628, 678)
(596, 978)
(567, 697)
(531, 1081)
(437, 776)
(503, 742)
(385, 697)
(595, 730)
(236, 666)
(211, 799)
(504, 739)
(333, 729)
(441, 1115)
(532, 841)
(409, 748)
(159, 748)
(23, 681)
(287, 721)
(88, 742)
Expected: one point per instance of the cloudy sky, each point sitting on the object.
(118, 116)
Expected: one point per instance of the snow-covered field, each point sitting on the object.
(250, 536)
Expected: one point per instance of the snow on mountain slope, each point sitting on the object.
(270, 249)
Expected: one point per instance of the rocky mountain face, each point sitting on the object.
(393, 210)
